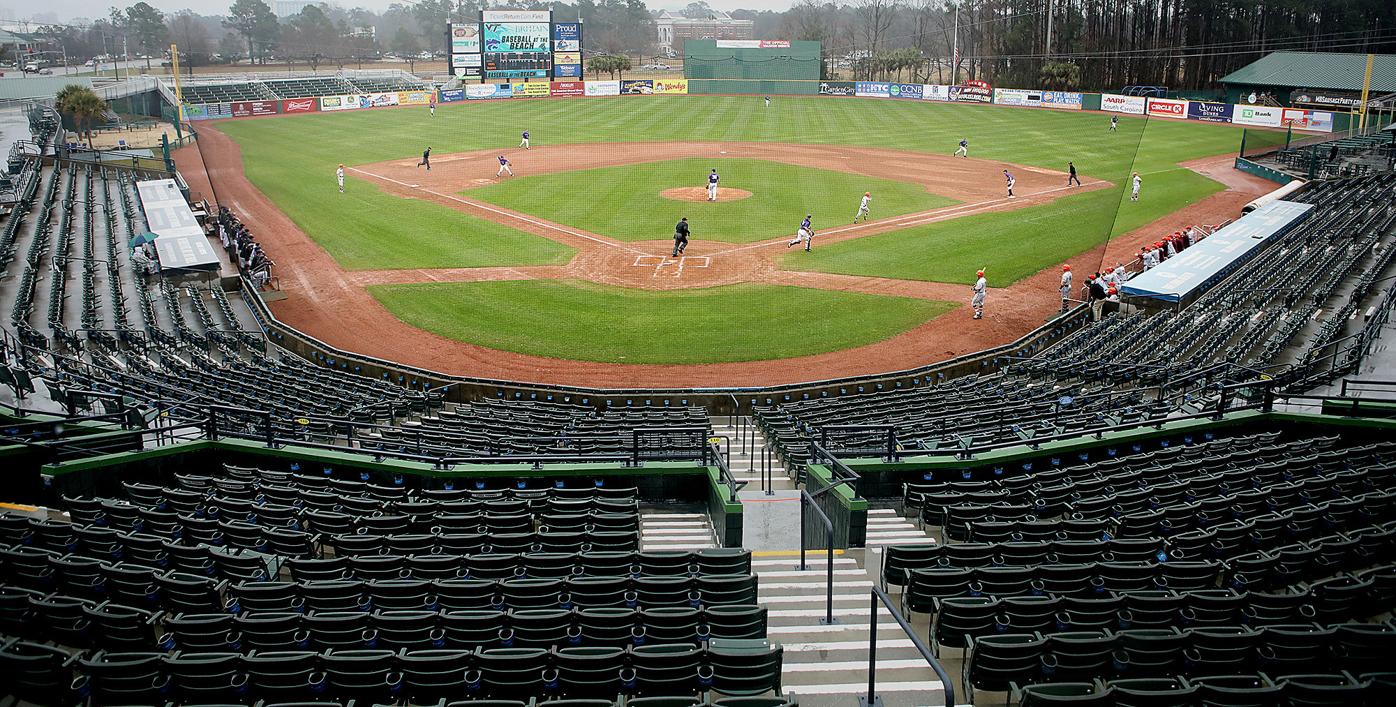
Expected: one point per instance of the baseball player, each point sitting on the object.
(977, 301)
(1011, 181)
(426, 158)
(863, 207)
(431, 104)
(1071, 174)
(768, 101)
(1114, 123)
(712, 185)
(524, 142)
(963, 150)
(339, 177)
(680, 237)
(504, 167)
(805, 234)
(1066, 286)
(1134, 189)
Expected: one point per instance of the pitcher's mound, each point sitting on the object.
(701, 194)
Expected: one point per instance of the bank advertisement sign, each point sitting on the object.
(567, 37)
(603, 88)
(873, 89)
(1259, 116)
(905, 90)
(487, 91)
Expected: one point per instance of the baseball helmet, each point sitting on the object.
(980, 273)
(1066, 268)
(867, 193)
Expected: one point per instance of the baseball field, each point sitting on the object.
(569, 259)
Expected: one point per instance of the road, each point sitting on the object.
(135, 66)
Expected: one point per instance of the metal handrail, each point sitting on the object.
(807, 501)
(947, 685)
(839, 472)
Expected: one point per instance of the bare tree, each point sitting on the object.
(874, 17)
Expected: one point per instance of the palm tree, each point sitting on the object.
(82, 105)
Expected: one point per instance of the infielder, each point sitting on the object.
(805, 234)
(1066, 286)
(504, 167)
(524, 142)
(339, 177)
(863, 207)
(712, 185)
(1011, 181)
(1071, 174)
(426, 158)
(680, 237)
(977, 301)
(1134, 189)
(963, 151)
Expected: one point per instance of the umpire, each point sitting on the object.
(680, 236)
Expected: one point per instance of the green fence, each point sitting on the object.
(752, 86)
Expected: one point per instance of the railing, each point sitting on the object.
(880, 597)
(807, 502)
(888, 434)
(1349, 384)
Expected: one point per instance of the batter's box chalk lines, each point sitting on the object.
(501, 212)
(659, 262)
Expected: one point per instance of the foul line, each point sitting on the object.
(905, 220)
(501, 212)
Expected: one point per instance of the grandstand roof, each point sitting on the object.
(1326, 70)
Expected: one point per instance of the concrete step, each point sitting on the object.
(675, 531)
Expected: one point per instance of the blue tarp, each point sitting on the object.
(1218, 255)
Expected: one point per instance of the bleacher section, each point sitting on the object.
(226, 92)
(257, 87)
(1353, 156)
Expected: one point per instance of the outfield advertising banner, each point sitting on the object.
(219, 110)
(905, 90)
(198, 111)
(1115, 103)
(414, 98)
(1209, 112)
(836, 88)
(532, 89)
(452, 95)
(516, 37)
(465, 65)
(568, 71)
(378, 100)
(568, 88)
(603, 88)
(1016, 97)
(488, 91)
(300, 105)
(567, 37)
(1167, 108)
(872, 89)
(637, 87)
(935, 92)
(1062, 100)
(1315, 120)
(671, 86)
(243, 109)
(567, 58)
(465, 38)
(1259, 116)
(972, 92)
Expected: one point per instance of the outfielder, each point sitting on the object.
(1114, 123)
(963, 151)
(712, 185)
(680, 237)
(805, 234)
(524, 142)
(339, 177)
(1011, 182)
(1066, 286)
(431, 104)
(863, 207)
(977, 301)
(504, 167)
(1134, 189)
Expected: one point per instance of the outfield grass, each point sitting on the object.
(590, 322)
(292, 160)
(624, 202)
(1007, 248)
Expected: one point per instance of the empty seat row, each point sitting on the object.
(1311, 689)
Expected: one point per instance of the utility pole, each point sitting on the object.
(955, 53)
(126, 56)
(1049, 29)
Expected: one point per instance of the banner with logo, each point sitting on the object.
(836, 88)
(1260, 116)
(1115, 103)
(516, 37)
(905, 90)
(603, 88)
(487, 91)
(752, 44)
(568, 88)
(197, 111)
(1209, 112)
(243, 109)
(935, 92)
(465, 38)
(972, 92)
(1315, 120)
(517, 16)
(300, 105)
(218, 111)
(1016, 97)
(567, 37)
(1167, 108)
(637, 87)
(872, 89)
(328, 103)
(671, 86)
(1062, 100)
(378, 100)
(568, 71)
(1342, 100)
(532, 89)
(414, 98)
(567, 58)
(452, 95)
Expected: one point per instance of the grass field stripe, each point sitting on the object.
(501, 212)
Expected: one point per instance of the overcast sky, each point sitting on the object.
(67, 10)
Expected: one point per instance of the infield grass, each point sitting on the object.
(625, 203)
(591, 322)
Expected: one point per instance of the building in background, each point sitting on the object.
(1322, 80)
(291, 8)
(674, 29)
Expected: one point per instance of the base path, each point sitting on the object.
(331, 304)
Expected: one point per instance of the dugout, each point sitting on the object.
(751, 66)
